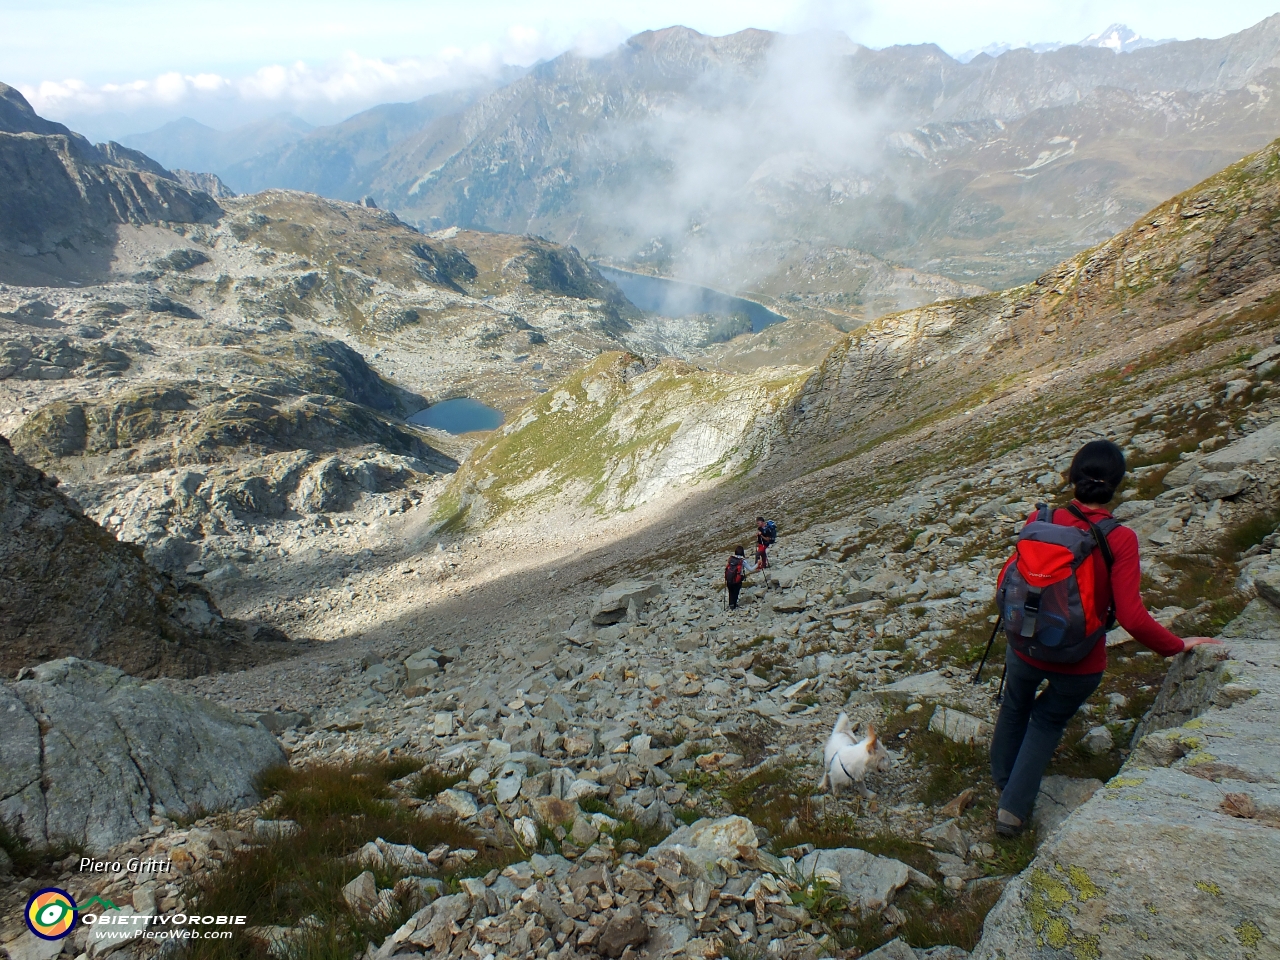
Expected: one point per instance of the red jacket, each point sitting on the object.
(1126, 574)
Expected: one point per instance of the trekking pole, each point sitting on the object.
(977, 677)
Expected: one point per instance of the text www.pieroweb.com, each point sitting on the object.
(128, 927)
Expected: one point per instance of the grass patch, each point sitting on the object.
(951, 766)
(31, 860)
(338, 809)
(1250, 532)
(933, 918)
(627, 829)
(784, 805)
(432, 781)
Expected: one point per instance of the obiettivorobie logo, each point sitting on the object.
(52, 912)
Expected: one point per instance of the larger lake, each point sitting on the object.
(460, 415)
(674, 298)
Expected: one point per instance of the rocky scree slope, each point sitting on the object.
(638, 706)
(647, 704)
(69, 588)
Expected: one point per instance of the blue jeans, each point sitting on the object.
(1029, 727)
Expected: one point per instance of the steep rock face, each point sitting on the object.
(67, 587)
(90, 753)
(60, 195)
(57, 194)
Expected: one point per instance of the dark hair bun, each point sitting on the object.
(1097, 471)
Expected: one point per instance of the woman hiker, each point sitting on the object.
(1029, 727)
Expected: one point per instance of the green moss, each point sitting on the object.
(1249, 934)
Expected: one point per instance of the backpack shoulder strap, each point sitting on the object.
(1043, 513)
(1099, 533)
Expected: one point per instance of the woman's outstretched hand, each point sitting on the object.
(1189, 642)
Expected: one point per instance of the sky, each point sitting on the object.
(110, 69)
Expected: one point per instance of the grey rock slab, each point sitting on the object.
(948, 836)
(896, 949)
(111, 747)
(21, 797)
(460, 802)
(30, 947)
(1058, 797)
(959, 726)
(1133, 508)
(1220, 486)
(707, 840)
(423, 664)
(361, 894)
(1154, 864)
(1183, 474)
(866, 880)
(1259, 619)
(626, 928)
(792, 602)
(611, 606)
(1248, 451)
(930, 686)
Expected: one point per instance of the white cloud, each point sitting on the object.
(350, 82)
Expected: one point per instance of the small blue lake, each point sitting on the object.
(460, 415)
(674, 298)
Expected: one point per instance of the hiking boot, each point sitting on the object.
(1008, 825)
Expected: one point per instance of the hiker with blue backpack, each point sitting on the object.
(1073, 575)
(766, 537)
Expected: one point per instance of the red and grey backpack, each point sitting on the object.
(1047, 591)
(735, 571)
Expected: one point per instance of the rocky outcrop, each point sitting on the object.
(209, 183)
(1154, 864)
(80, 196)
(69, 588)
(89, 754)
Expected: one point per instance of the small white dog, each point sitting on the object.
(847, 762)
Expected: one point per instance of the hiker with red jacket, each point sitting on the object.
(1058, 597)
(766, 537)
(735, 572)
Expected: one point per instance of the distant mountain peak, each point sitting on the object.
(1120, 38)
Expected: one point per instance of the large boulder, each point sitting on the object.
(702, 843)
(866, 880)
(611, 606)
(88, 753)
(1058, 798)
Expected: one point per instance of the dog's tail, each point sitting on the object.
(842, 724)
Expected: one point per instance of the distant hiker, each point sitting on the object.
(1058, 597)
(735, 571)
(766, 536)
